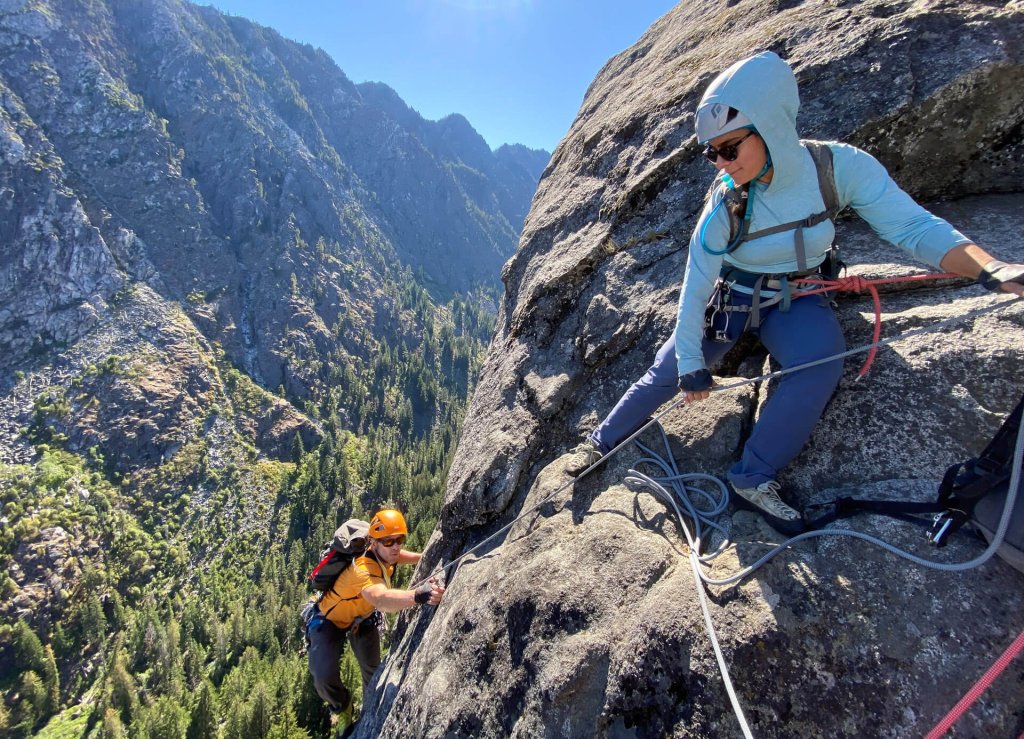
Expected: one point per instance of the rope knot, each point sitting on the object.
(854, 283)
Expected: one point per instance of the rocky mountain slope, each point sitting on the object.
(165, 142)
(583, 619)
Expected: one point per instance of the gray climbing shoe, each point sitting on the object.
(583, 456)
(764, 499)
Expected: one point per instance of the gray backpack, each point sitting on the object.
(348, 543)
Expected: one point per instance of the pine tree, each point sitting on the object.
(221, 649)
(112, 727)
(235, 725)
(298, 448)
(236, 641)
(194, 662)
(203, 723)
(164, 720)
(117, 620)
(92, 623)
(310, 710)
(261, 714)
(51, 682)
(60, 640)
(286, 726)
(28, 650)
(123, 691)
(172, 667)
(32, 695)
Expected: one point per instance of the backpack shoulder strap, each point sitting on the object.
(380, 566)
(821, 153)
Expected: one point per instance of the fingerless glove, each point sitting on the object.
(695, 381)
(995, 273)
(422, 593)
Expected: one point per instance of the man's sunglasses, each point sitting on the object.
(391, 541)
(728, 152)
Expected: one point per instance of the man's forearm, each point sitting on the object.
(391, 600)
(405, 557)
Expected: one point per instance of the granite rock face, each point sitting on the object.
(582, 620)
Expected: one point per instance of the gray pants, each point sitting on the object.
(325, 644)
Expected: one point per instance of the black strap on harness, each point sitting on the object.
(963, 485)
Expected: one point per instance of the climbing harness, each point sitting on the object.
(722, 305)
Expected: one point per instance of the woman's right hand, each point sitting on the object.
(696, 385)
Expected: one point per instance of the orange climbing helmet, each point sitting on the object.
(388, 522)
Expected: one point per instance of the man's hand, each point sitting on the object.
(429, 593)
(695, 385)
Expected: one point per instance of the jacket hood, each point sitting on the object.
(763, 88)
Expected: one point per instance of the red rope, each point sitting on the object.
(979, 687)
(856, 283)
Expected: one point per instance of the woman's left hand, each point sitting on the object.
(998, 275)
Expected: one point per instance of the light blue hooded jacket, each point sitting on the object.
(764, 88)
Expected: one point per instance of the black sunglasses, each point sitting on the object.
(728, 152)
(391, 541)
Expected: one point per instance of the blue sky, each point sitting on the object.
(516, 69)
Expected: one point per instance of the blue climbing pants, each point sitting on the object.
(807, 331)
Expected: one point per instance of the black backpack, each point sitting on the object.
(348, 543)
(975, 491)
(972, 492)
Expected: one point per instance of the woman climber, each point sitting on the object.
(741, 264)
